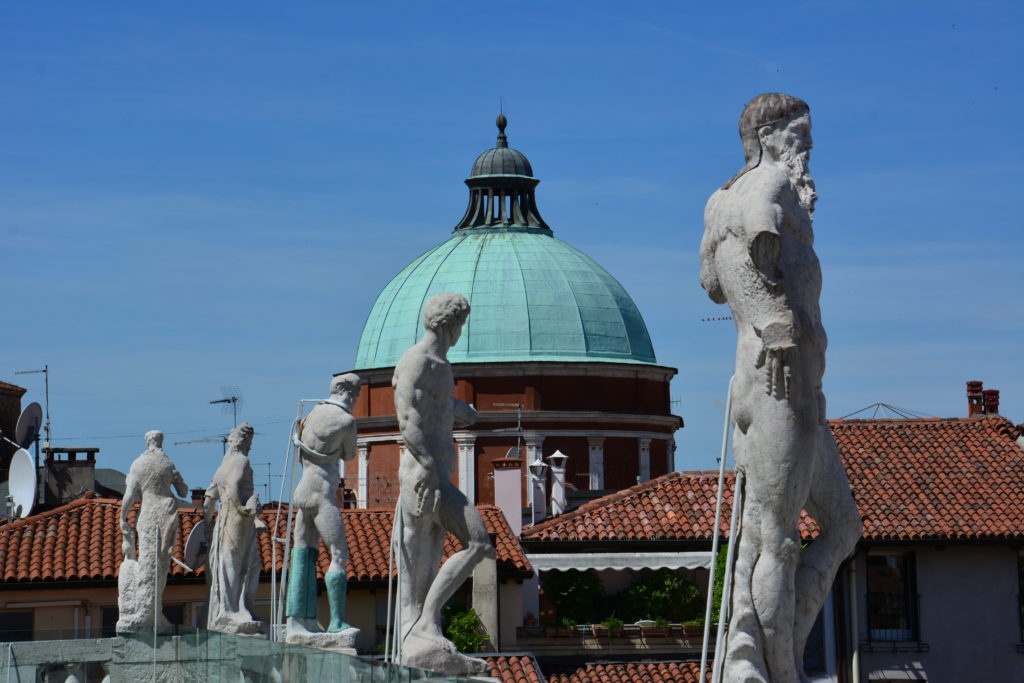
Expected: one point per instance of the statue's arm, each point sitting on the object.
(708, 246)
(180, 487)
(773, 316)
(349, 441)
(131, 495)
(210, 503)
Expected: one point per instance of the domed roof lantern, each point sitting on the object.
(501, 189)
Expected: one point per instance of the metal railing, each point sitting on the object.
(893, 617)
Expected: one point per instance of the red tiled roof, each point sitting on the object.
(514, 669)
(678, 505)
(634, 672)
(935, 479)
(912, 479)
(82, 541)
(12, 389)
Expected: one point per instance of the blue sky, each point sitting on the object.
(198, 195)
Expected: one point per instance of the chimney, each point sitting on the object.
(197, 497)
(990, 397)
(538, 476)
(508, 490)
(68, 478)
(557, 460)
(974, 396)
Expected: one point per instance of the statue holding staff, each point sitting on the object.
(757, 255)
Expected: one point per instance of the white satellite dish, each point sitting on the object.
(29, 423)
(197, 547)
(22, 483)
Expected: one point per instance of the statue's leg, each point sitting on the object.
(301, 602)
(328, 523)
(744, 657)
(831, 504)
(463, 521)
(421, 550)
(778, 477)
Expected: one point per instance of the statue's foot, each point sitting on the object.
(302, 626)
(238, 625)
(306, 632)
(439, 654)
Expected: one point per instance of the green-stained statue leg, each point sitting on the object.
(302, 584)
(336, 587)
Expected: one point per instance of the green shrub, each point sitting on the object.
(575, 595)
(719, 582)
(661, 593)
(465, 630)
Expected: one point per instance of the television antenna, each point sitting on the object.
(222, 438)
(231, 401)
(518, 428)
(46, 394)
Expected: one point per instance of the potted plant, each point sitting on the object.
(653, 628)
(612, 626)
(694, 628)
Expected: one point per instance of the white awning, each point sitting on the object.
(543, 562)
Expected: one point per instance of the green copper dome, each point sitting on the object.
(532, 296)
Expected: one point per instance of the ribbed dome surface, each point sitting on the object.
(502, 161)
(533, 298)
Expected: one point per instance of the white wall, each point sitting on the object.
(968, 617)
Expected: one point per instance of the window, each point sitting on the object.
(892, 597)
(108, 622)
(17, 626)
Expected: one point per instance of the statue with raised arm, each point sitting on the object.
(234, 564)
(757, 255)
(429, 504)
(143, 574)
(326, 437)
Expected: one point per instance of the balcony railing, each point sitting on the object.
(893, 617)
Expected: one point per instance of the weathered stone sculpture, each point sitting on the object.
(757, 255)
(234, 562)
(326, 437)
(142, 576)
(429, 503)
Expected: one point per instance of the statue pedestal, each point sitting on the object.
(342, 642)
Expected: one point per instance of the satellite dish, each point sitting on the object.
(22, 483)
(197, 547)
(28, 424)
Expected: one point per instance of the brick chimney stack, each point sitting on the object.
(974, 399)
(990, 397)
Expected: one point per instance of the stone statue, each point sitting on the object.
(326, 437)
(234, 564)
(142, 577)
(429, 503)
(757, 255)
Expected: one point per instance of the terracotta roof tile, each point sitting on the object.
(514, 669)
(634, 672)
(912, 479)
(82, 541)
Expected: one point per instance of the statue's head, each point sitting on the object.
(446, 312)
(240, 438)
(346, 384)
(155, 438)
(767, 109)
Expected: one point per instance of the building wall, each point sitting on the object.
(969, 617)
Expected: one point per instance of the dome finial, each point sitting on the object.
(501, 122)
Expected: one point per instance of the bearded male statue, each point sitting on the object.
(757, 255)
